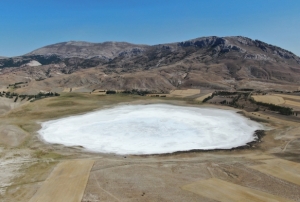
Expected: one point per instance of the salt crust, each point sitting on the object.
(151, 129)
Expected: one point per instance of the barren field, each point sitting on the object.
(286, 170)
(267, 171)
(7, 104)
(272, 99)
(288, 96)
(67, 182)
(200, 99)
(99, 92)
(184, 93)
(179, 93)
(292, 103)
(221, 190)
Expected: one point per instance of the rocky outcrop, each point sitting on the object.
(32, 63)
(258, 57)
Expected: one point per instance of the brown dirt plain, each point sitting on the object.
(268, 171)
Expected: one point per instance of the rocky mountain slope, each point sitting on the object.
(206, 62)
(80, 49)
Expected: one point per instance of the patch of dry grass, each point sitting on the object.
(286, 170)
(66, 104)
(200, 99)
(292, 103)
(271, 99)
(184, 93)
(288, 96)
(62, 104)
(67, 182)
(224, 191)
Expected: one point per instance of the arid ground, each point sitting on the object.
(32, 170)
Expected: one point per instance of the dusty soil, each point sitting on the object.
(222, 190)
(7, 105)
(11, 135)
(27, 168)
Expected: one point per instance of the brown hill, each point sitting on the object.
(207, 62)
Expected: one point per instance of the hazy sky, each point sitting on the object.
(26, 25)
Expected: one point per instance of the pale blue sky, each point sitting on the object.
(26, 25)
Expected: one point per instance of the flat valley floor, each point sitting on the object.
(32, 170)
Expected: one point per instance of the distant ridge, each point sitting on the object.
(110, 49)
(206, 62)
(84, 49)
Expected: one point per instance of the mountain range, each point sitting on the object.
(208, 62)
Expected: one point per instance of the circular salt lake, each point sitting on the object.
(151, 129)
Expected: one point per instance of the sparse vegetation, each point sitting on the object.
(246, 89)
(282, 110)
(208, 98)
(137, 92)
(44, 95)
(40, 95)
(40, 79)
(243, 99)
(111, 92)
